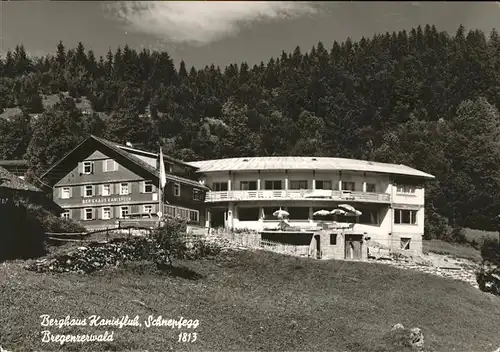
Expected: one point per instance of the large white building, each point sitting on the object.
(245, 192)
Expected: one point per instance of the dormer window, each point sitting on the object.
(87, 167)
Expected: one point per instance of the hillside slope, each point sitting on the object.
(253, 301)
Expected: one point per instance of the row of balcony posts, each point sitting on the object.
(259, 188)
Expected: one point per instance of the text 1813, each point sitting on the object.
(187, 337)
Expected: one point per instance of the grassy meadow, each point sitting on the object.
(250, 301)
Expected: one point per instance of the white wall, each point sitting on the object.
(381, 181)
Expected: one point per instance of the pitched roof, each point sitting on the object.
(118, 148)
(115, 147)
(9, 180)
(155, 155)
(13, 163)
(305, 163)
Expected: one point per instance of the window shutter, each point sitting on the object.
(104, 166)
(80, 168)
(82, 215)
(129, 188)
(70, 192)
(83, 190)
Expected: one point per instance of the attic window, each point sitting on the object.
(245, 159)
(314, 159)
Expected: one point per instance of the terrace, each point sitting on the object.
(304, 194)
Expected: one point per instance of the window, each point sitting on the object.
(323, 184)
(298, 184)
(406, 189)
(194, 215)
(197, 194)
(177, 189)
(348, 186)
(219, 186)
(371, 187)
(405, 243)
(88, 214)
(123, 212)
(273, 185)
(298, 213)
(109, 165)
(368, 217)
(88, 191)
(87, 167)
(106, 213)
(333, 239)
(267, 213)
(106, 190)
(402, 216)
(123, 188)
(148, 209)
(65, 193)
(170, 210)
(65, 215)
(248, 214)
(148, 187)
(248, 185)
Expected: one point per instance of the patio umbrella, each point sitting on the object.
(338, 212)
(322, 212)
(347, 207)
(353, 213)
(281, 213)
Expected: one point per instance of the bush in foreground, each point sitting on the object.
(166, 243)
(23, 226)
(488, 276)
(22, 233)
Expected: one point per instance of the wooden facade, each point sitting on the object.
(101, 182)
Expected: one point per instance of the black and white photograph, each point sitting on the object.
(249, 176)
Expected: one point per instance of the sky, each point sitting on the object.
(202, 33)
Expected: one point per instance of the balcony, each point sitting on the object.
(309, 194)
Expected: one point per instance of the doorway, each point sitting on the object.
(317, 238)
(353, 247)
(217, 218)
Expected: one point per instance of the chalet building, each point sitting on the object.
(100, 182)
(16, 167)
(245, 193)
(12, 186)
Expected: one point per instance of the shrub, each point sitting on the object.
(22, 234)
(49, 221)
(488, 279)
(23, 227)
(436, 226)
(169, 240)
(457, 234)
(202, 249)
(490, 251)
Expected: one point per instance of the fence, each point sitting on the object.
(101, 234)
(252, 240)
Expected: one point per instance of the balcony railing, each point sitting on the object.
(306, 194)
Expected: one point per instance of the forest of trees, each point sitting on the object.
(424, 98)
